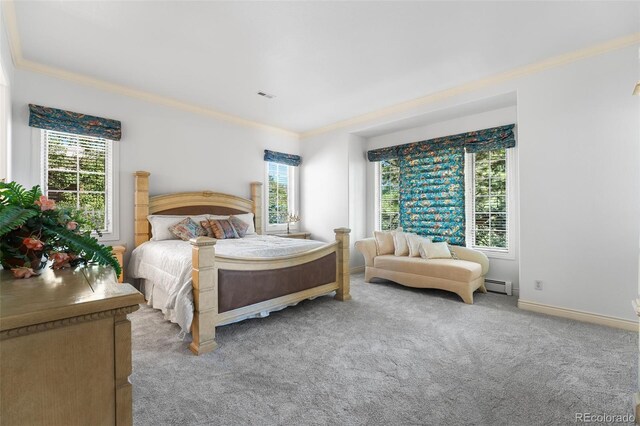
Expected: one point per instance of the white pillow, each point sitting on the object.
(160, 225)
(413, 242)
(248, 219)
(434, 250)
(400, 243)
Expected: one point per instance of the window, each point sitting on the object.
(488, 201)
(78, 173)
(489, 179)
(388, 195)
(280, 194)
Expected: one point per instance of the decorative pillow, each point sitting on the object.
(384, 242)
(434, 250)
(413, 241)
(160, 225)
(187, 229)
(400, 243)
(223, 229)
(206, 225)
(248, 219)
(239, 225)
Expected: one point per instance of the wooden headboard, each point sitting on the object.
(190, 203)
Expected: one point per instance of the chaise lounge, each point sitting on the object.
(463, 274)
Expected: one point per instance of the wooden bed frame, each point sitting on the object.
(206, 264)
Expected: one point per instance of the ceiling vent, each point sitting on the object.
(266, 95)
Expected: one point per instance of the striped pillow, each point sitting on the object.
(187, 229)
(223, 229)
(239, 225)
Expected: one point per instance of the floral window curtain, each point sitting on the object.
(73, 122)
(432, 195)
(282, 158)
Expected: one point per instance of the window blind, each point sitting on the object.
(77, 174)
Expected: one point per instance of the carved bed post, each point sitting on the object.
(141, 205)
(256, 196)
(342, 264)
(205, 296)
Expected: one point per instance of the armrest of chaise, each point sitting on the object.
(368, 249)
(465, 253)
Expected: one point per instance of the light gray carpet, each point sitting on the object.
(391, 356)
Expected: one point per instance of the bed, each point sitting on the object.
(245, 279)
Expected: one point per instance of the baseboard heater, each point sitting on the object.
(499, 286)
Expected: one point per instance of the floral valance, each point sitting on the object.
(73, 122)
(282, 158)
(476, 141)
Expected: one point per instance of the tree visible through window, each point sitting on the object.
(78, 174)
(489, 227)
(279, 197)
(389, 194)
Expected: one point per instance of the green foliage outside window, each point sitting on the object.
(389, 194)
(77, 170)
(490, 191)
(278, 193)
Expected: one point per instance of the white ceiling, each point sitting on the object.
(324, 61)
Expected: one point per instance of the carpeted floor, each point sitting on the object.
(390, 356)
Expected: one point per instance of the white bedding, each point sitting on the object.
(168, 264)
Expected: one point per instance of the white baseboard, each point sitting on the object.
(357, 269)
(578, 315)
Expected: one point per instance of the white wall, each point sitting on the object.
(181, 150)
(503, 269)
(357, 196)
(578, 151)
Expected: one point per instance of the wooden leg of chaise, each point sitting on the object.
(205, 296)
(342, 264)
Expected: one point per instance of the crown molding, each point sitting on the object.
(533, 68)
(555, 61)
(25, 64)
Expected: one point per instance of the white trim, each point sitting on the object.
(553, 62)
(469, 173)
(292, 199)
(533, 68)
(578, 315)
(377, 210)
(39, 162)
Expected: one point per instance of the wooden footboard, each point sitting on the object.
(297, 271)
(208, 268)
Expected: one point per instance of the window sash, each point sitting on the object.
(495, 224)
(76, 145)
(284, 175)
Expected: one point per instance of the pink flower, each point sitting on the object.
(72, 226)
(22, 272)
(45, 203)
(60, 260)
(33, 243)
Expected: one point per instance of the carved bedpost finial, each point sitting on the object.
(205, 295)
(342, 259)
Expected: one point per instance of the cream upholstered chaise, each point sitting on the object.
(462, 276)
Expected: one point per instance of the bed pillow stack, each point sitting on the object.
(401, 243)
(172, 227)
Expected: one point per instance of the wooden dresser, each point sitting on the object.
(65, 348)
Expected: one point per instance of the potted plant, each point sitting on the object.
(33, 231)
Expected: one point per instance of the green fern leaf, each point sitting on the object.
(13, 217)
(85, 246)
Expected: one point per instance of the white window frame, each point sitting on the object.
(38, 136)
(378, 197)
(469, 173)
(292, 199)
(5, 126)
